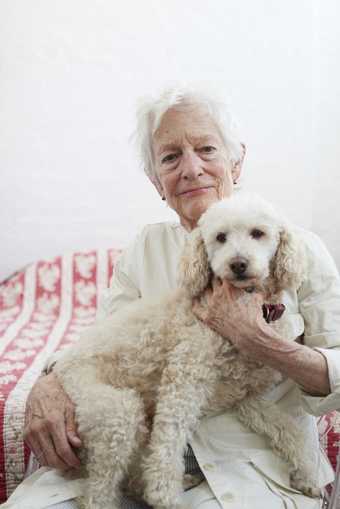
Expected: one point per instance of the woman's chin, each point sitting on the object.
(194, 208)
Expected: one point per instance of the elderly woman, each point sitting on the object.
(194, 158)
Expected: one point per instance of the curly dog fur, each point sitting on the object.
(142, 378)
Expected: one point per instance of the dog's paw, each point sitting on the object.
(300, 482)
(163, 488)
(162, 493)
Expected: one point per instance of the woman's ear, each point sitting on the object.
(289, 264)
(237, 167)
(156, 182)
(194, 271)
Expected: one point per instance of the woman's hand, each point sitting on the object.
(237, 315)
(50, 429)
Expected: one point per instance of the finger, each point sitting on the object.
(216, 283)
(214, 290)
(230, 291)
(199, 311)
(196, 305)
(71, 427)
(258, 299)
(225, 286)
(39, 445)
(34, 446)
(209, 301)
(64, 450)
(74, 439)
(61, 443)
(50, 456)
(30, 435)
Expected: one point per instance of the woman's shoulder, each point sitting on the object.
(156, 238)
(310, 238)
(319, 258)
(165, 227)
(161, 232)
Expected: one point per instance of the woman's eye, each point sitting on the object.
(208, 149)
(169, 158)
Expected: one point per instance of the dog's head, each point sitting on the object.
(242, 239)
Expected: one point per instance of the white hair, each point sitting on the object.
(151, 111)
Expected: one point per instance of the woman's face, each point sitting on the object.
(191, 163)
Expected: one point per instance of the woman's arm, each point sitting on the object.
(237, 315)
(307, 367)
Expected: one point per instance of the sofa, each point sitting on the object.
(43, 308)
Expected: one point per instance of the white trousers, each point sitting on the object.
(202, 497)
(254, 491)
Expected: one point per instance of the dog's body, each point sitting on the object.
(142, 378)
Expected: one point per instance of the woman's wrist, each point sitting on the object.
(295, 361)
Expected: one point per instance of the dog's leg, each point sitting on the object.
(285, 439)
(111, 426)
(184, 390)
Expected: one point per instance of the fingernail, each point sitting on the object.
(72, 436)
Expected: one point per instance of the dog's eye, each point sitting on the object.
(221, 237)
(257, 234)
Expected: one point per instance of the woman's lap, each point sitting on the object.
(202, 497)
(126, 503)
(256, 494)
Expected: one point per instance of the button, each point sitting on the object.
(227, 497)
(208, 466)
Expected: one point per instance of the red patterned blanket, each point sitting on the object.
(44, 308)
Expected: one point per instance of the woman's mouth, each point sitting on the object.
(196, 191)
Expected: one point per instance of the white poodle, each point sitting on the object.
(142, 378)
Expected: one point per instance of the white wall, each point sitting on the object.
(326, 195)
(70, 74)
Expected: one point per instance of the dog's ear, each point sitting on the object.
(289, 263)
(194, 272)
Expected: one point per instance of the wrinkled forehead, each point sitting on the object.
(190, 124)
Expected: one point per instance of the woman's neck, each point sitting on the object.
(187, 224)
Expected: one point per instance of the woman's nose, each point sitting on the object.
(191, 165)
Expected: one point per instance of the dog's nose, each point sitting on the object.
(239, 266)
